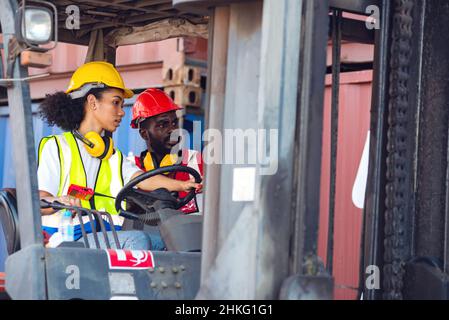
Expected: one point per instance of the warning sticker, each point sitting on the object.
(130, 259)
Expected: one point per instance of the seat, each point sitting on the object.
(9, 223)
(182, 232)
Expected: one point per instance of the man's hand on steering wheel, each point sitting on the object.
(159, 180)
(129, 191)
(186, 186)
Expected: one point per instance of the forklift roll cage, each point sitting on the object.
(282, 261)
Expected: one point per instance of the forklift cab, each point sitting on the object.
(267, 70)
(72, 271)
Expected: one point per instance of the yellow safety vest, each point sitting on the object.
(109, 180)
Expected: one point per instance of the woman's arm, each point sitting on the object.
(67, 200)
(49, 168)
(161, 181)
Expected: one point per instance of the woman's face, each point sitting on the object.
(108, 111)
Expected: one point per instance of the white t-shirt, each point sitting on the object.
(48, 172)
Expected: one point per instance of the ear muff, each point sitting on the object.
(103, 147)
(108, 148)
(168, 160)
(148, 162)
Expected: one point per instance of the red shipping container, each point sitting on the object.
(353, 137)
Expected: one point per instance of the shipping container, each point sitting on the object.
(351, 175)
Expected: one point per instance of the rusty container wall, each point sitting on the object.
(353, 124)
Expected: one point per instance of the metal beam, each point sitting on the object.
(146, 3)
(218, 49)
(146, 18)
(21, 123)
(309, 132)
(354, 31)
(23, 137)
(336, 66)
(232, 274)
(283, 23)
(202, 6)
(161, 30)
(121, 6)
(373, 219)
(355, 6)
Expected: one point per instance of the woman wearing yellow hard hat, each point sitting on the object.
(91, 109)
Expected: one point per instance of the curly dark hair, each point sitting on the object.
(61, 110)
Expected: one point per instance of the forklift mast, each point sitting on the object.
(275, 60)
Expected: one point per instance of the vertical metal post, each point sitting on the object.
(309, 133)
(446, 222)
(23, 138)
(277, 111)
(2, 75)
(373, 218)
(336, 59)
(235, 223)
(110, 54)
(216, 87)
(79, 213)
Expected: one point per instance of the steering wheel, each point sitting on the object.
(142, 198)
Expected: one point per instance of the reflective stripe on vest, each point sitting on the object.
(109, 180)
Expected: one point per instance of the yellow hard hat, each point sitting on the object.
(97, 74)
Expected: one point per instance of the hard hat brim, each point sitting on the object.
(97, 74)
(135, 122)
(128, 93)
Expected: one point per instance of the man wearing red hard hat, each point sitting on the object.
(154, 114)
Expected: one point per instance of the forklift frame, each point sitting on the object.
(268, 58)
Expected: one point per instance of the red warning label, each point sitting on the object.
(130, 259)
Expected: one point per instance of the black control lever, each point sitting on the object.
(45, 204)
(129, 215)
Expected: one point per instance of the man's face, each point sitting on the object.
(157, 132)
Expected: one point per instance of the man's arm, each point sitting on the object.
(161, 181)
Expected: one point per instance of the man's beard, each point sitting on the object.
(164, 148)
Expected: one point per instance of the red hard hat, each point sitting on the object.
(150, 103)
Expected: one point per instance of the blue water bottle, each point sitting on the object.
(66, 228)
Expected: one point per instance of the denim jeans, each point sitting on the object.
(131, 240)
